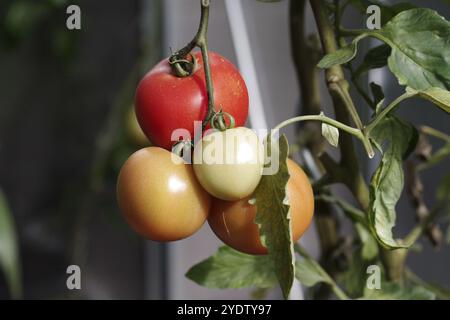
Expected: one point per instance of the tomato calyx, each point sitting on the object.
(182, 66)
(218, 120)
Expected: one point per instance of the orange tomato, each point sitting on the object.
(161, 199)
(233, 221)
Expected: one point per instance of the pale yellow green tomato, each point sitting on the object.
(229, 164)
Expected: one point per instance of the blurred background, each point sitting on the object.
(66, 127)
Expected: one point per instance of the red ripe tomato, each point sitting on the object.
(165, 102)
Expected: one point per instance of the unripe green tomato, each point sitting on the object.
(160, 197)
(133, 129)
(229, 164)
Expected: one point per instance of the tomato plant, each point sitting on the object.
(263, 212)
(229, 164)
(159, 198)
(165, 102)
(233, 221)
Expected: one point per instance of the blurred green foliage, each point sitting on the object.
(9, 252)
(21, 19)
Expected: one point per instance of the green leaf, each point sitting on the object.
(375, 58)
(369, 249)
(419, 49)
(387, 182)
(9, 251)
(392, 291)
(331, 134)
(309, 273)
(438, 96)
(273, 217)
(229, 268)
(420, 46)
(342, 55)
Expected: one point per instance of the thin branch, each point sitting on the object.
(343, 32)
(387, 110)
(324, 119)
(435, 133)
(349, 210)
(422, 226)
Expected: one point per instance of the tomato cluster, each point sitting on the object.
(165, 198)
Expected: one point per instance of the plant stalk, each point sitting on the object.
(338, 88)
(201, 41)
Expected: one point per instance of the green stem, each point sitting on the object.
(343, 32)
(337, 22)
(209, 84)
(354, 179)
(320, 117)
(353, 131)
(337, 85)
(353, 213)
(200, 36)
(394, 264)
(338, 292)
(386, 110)
(421, 227)
(435, 133)
(201, 41)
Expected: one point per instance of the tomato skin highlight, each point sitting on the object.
(165, 102)
(233, 221)
(229, 164)
(160, 199)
